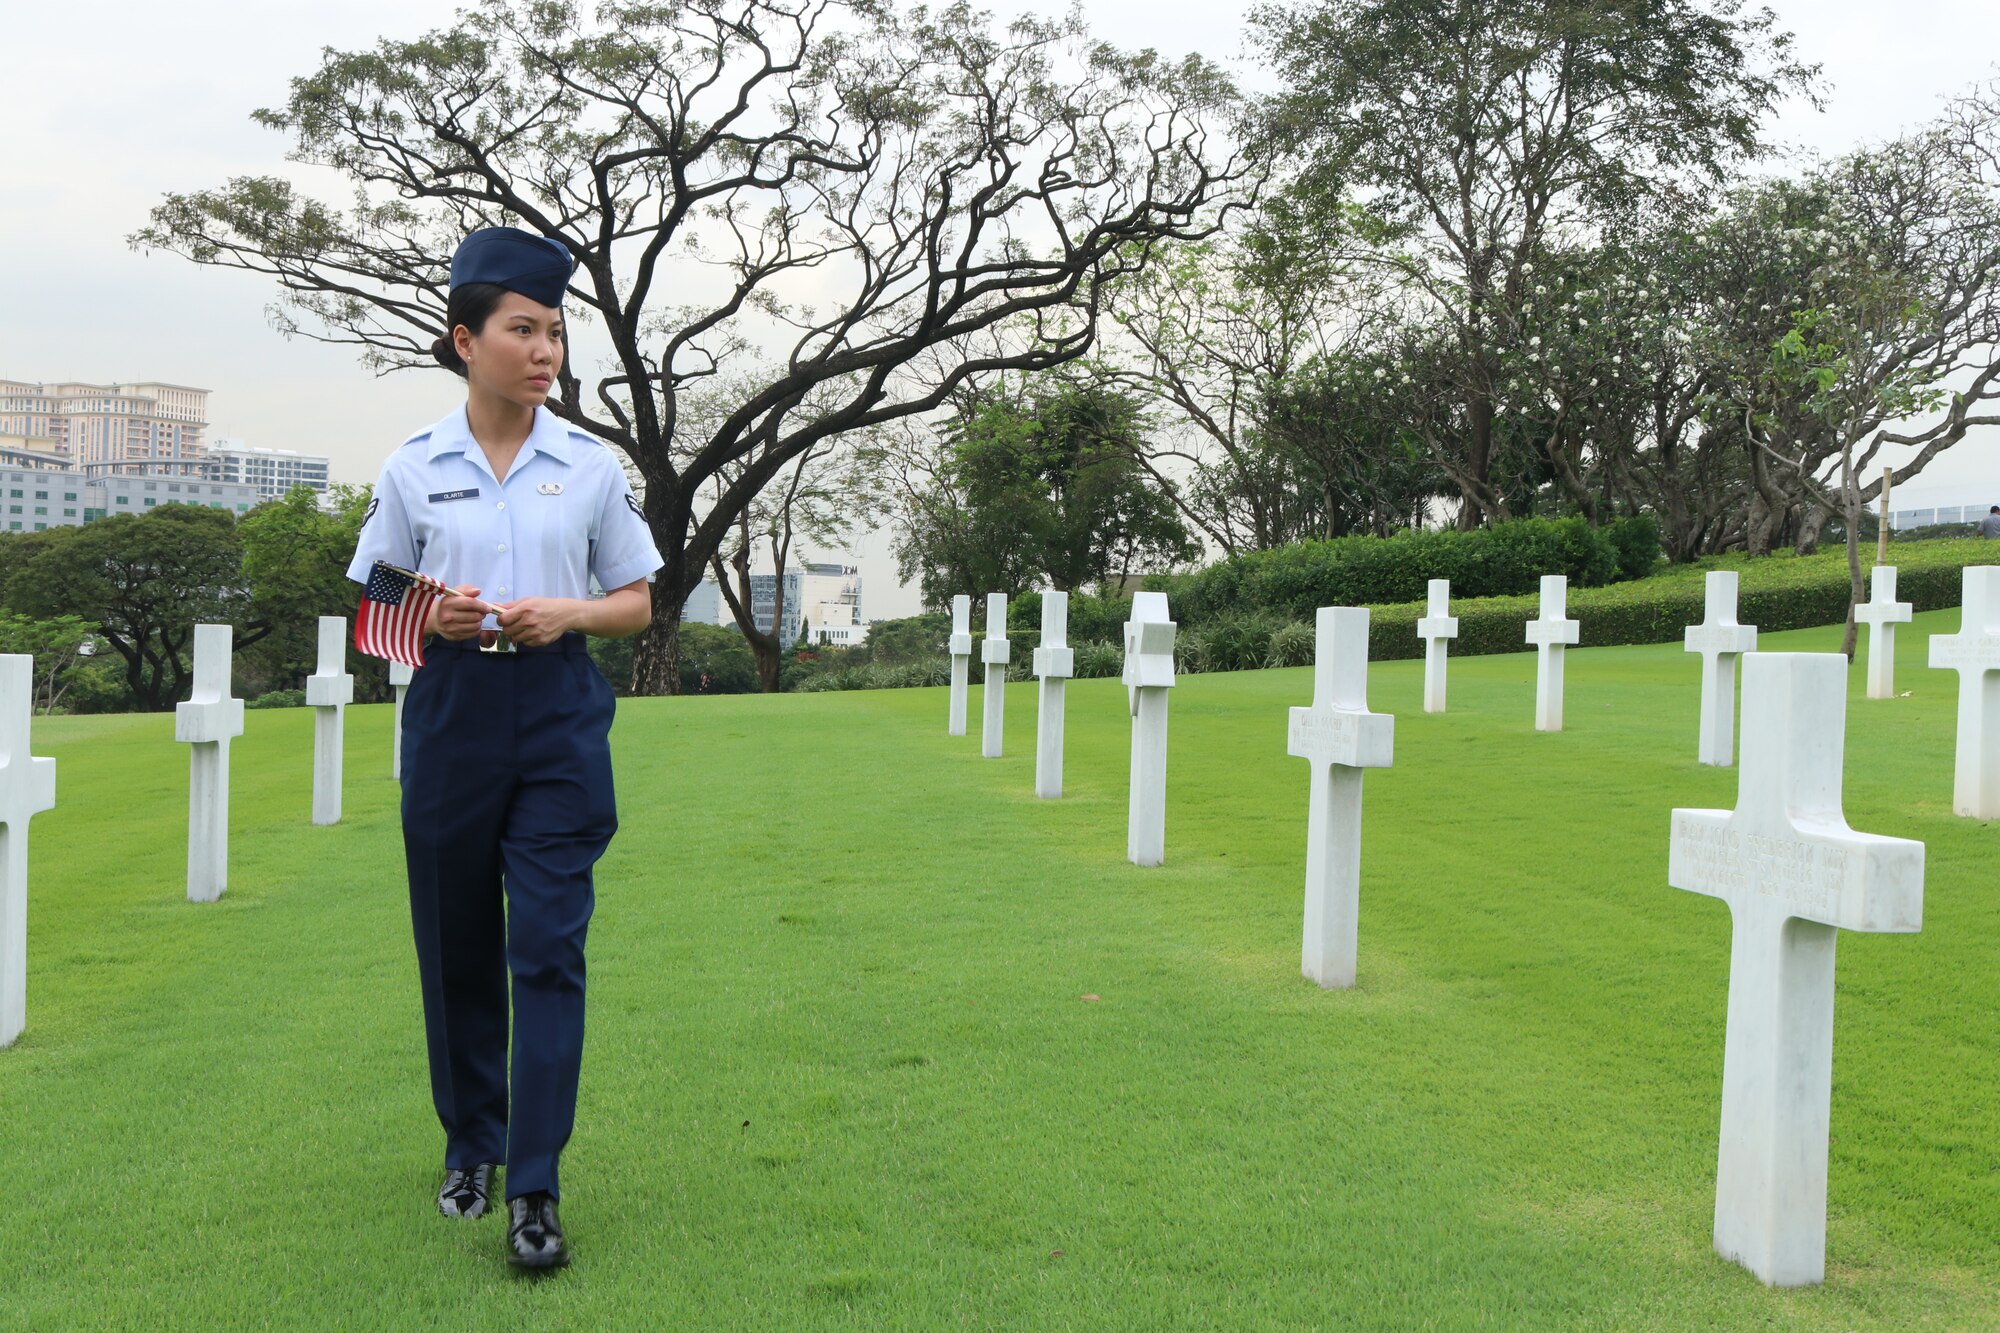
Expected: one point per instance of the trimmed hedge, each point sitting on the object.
(1777, 592)
(1293, 581)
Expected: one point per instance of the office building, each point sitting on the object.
(822, 598)
(271, 472)
(37, 499)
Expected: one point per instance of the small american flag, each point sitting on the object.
(394, 605)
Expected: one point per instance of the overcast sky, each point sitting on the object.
(109, 105)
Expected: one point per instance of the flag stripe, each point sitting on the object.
(394, 606)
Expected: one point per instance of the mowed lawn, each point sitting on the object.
(842, 1071)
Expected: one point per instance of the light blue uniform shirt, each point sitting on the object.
(564, 515)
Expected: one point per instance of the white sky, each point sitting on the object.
(109, 104)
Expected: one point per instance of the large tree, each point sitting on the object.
(143, 581)
(1039, 486)
(1480, 134)
(1210, 334)
(832, 191)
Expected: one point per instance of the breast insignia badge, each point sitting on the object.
(550, 488)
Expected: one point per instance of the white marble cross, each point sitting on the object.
(1339, 737)
(961, 661)
(400, 676)
(1055, 663)
(1149, 674)
(1719, 640)
(329, 690)
(1551, 634)
(993, 651)
(1974, 653)
(1881, 613)
(27, 788)
(207, 722)
(1437, 629)
(1793, 873)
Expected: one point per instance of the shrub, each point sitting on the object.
(279, 699)
(1228, 643)
(1099, 658)
(1291, 582)
(1637, 544)
(1293, 645)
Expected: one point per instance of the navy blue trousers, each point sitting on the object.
(507, 804)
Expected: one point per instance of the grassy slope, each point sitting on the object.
(840, 1074)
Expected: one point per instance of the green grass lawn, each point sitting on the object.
(840, 1073)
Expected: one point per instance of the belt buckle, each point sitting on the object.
(495, 641)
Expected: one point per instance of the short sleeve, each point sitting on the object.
(624, 549)
(386, 533)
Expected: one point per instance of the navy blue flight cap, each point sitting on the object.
(535, 266)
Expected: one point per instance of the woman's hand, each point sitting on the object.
(457, 614)
(534, 621)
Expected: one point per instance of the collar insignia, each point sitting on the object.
(550, 488)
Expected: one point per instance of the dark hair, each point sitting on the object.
(470, 304)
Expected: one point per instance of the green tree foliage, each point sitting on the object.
(1335, 431)
(59, 649)
(1481, 135)
(142, 581)
(295, 558)
(1043, 488)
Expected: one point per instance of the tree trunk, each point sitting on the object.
(656, 651)
(1812, 524)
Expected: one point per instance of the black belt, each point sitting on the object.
(571, 644)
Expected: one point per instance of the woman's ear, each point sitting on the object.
(461, 341)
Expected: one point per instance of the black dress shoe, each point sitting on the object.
(534, 1236)
(466, 1191)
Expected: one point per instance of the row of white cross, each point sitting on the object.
(1784, 859)
(207, 722)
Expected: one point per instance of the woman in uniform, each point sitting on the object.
(507, 798)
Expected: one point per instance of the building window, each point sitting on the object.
(13, 509)
(152, 485)
(69, 513)
(41, 527)
(150, 502)
(174, 486)
(242, 509)
(41, 495)
(41, 509)
(15, 526)
(69, 495)
(124, 499)
(14, 494)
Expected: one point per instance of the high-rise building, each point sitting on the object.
(107, 428)
(272, 472)
(817, 595)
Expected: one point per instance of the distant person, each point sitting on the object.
(507, 796)
(1990, 525)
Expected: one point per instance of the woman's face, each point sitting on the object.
(517, 353)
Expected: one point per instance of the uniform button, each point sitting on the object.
(503, 587)
(503, 548)
(501, 505)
